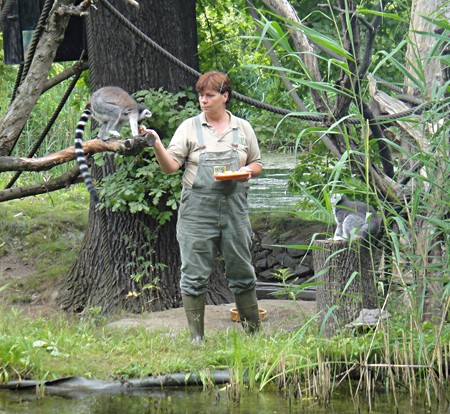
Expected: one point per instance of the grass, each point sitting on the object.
(46, 232)
(43, 233)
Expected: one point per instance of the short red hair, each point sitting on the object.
(217, 81)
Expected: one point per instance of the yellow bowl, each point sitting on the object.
(235, 315)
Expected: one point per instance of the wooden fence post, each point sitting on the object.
(346, 282)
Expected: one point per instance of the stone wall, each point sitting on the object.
(271, 234)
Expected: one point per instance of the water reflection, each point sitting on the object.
(269, 191)
(184, 400)
(197, 401)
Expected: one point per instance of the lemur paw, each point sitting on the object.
(339, 238)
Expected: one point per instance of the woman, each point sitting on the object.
(214, 213)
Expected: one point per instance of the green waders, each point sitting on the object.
(213, 215)
(247, 307)
(194, 307)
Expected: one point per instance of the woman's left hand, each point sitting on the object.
(245, 170)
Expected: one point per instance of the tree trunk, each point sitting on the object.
(419, 48)
(128, 261)
(428, 245)
(346, 282)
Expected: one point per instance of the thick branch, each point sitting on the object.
(388, 104)
(124, 147)
(285, 9)
(66, 74)
(274, 58)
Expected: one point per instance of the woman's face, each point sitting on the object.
(212, 101)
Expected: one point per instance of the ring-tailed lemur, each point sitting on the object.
(354, 219)
(111, 107)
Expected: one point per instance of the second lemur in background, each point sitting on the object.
(111, 107)
(354, 219)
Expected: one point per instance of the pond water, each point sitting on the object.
(196, 401)
(269, 190)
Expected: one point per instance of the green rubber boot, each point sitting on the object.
(194, 306)
(247, 306)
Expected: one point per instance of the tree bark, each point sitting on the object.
(128, 261)
(346, 282)
(116, 247)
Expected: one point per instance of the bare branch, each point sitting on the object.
(80, 10)
(71, 11)
(63, 181)
(370, 40)
(357, 15)
(388, 104)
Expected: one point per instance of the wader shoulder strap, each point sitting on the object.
(236, 136)
(198, 127)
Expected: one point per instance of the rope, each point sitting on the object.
(48, 126)
(275, 109)
(6, 8)
(90, 50)
(36, 36)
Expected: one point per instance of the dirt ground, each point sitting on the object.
(281, 315)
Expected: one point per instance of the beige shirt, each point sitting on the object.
(185, 150)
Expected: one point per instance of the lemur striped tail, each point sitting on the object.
(81, 158)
